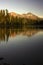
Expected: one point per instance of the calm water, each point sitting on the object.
(21, 46)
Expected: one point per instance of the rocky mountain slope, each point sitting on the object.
(27, 15)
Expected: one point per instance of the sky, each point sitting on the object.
(23, 6)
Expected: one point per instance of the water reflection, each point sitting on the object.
(6, 33)
(24, 46)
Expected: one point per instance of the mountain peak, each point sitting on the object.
(29, 13)
(12, 13)
(30, 16)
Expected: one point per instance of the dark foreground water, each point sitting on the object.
(18, 47)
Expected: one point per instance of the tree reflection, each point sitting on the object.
(5, 33)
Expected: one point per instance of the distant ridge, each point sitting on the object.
(27, 15)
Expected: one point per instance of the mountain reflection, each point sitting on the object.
(6, 33)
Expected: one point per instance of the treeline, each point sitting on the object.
(6, 20)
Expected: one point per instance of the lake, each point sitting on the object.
(21, 46)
